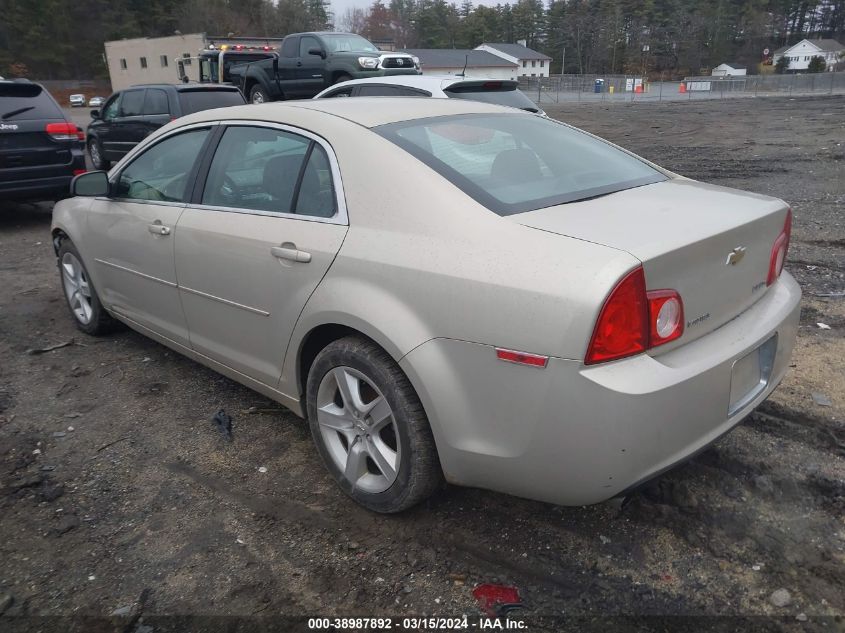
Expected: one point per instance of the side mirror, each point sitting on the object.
(95, 114)
(91, 183)
(319, 52)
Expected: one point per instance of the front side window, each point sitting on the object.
(264, 169)
(162, 172)
(513, 163)
(111, 108)
(347, 43)
(306, 44)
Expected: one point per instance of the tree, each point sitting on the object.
(782, 64)
(817, 64)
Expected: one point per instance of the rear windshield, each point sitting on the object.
(23, 101)
(198, 100)
(493, 92)
(512, 163)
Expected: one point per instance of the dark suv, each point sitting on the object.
(132, 114)
(40, 149)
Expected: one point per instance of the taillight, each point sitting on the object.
(779, 250)
(665, 316)
(80, 134)
(633, 320)
(62, 131)
(622, 328)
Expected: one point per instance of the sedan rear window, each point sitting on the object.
(513, 163)
(26, 101)
(497, 92)
(198, 100)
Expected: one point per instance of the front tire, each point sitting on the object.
(341, 78)
(81, 297)
(370, 428)
(95, 151)
(257, 95)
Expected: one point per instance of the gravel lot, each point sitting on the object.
(116, 490)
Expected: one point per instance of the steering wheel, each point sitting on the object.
(229, 190)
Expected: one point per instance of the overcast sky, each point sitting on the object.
(340, 6)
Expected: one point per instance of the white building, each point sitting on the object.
(800, 54)
(529, 62)
(728, 70)
(451, 61)
(148, 60)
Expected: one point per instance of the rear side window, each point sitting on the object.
(389, 91)
(290, 47)
(25, 101)
(264, 169)
(155, 102)
(198, 100)
(132, 103)
(512, 163)
(493, 92)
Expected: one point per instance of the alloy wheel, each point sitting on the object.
(77, 288)
(359, 429)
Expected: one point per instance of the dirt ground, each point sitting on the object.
(116, 491)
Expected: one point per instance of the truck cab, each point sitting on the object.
(310, 62)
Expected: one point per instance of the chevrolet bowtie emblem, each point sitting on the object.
(735, 256)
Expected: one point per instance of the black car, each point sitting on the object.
(40, 149)
(129, 115)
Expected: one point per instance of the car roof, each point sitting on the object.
(365, 111)
(183, 87)
(423, 82)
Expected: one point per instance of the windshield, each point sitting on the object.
(348, 43)
(513, 163)
(25, 101)
(493, 92)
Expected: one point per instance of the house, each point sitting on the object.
(800, 54)
(451, 61)
(728, 70)
(529, 62)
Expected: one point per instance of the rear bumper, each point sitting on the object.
(571, 434)
(41, 183)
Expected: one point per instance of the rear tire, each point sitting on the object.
(370, 428)
(95, 151)
(257, 95)
(81, 297)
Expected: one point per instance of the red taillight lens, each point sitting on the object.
(633, 320)
(665, 315)
(779, 250)
(62, 131)
(80, 134)
(622, 326)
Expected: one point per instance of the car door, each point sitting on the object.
(310, 67)
(132, 233)
(127, 130)
(255, 242)
(103, 127)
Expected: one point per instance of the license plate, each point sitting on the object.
(751, 374)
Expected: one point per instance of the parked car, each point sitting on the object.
(40, 149)
(95, 102)
(309, 62)
(490, 296)
(499, 91)
(77, 101)
(130, 115)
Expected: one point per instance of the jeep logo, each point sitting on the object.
(8, 126)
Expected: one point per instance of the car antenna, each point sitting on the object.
(463, 72)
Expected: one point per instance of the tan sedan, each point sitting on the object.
(446, 289)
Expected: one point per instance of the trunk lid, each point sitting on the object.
(683, 232)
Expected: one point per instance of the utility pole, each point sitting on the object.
(563, 61)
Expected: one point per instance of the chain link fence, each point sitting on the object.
(591, 88)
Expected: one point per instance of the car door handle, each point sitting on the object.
(299, 63)
(292, 254)
(158, 229)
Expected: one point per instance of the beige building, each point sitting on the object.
(146, 60)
